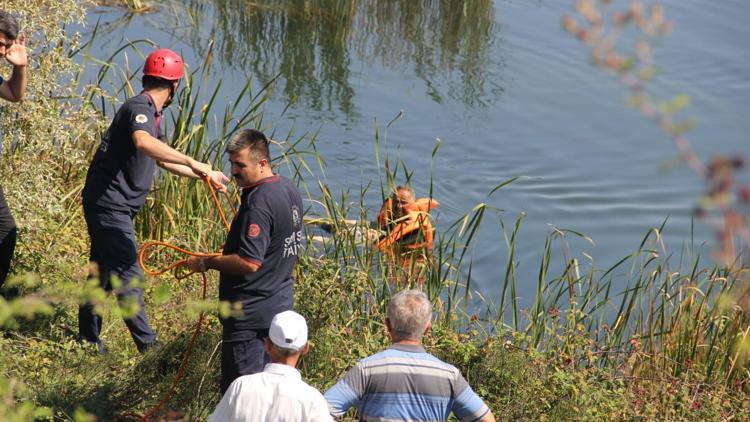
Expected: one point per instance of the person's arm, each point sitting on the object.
(489, 417)
(255, 236)
(467, 405)
(178, 169)
(225, 410)
(230, 264)
(319, 409)
(426, 227)
(425, 204)
(217, 178)
(163, 153)
(347, 392)
(143, 128)
(408, 225)
(386, 213)
(14, 88)
(392, 238)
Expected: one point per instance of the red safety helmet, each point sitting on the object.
(164, 63)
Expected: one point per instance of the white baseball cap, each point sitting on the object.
(288, 331)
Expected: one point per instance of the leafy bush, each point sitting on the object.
(562, 359)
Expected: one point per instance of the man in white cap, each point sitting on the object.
(278, 393)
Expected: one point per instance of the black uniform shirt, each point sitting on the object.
(120, 175)
(1, 123)
(266, 231)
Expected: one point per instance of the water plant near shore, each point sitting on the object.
(646, 338)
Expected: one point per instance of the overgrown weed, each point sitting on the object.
(671, 344)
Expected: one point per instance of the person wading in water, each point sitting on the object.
(409, 234)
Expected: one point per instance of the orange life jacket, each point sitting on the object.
(412, 231)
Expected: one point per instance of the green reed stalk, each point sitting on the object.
(663, 317)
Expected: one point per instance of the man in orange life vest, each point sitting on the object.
(408, 231)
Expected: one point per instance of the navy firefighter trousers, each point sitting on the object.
(8, 233)
(114, 251)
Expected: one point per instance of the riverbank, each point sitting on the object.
(645, 339)
(564, 379)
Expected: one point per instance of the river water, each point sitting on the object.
(503, 87)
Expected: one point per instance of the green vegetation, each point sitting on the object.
(648, 338)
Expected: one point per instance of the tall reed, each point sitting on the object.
(643, 317)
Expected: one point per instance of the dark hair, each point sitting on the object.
(8, 25)
(250, 138)
(153, 82)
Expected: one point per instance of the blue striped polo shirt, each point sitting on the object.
(405, 383)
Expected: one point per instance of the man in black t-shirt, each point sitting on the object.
(259, 255)
(118, 180)
(13, 49)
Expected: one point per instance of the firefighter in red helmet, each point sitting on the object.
(165, 64)
(118, 180)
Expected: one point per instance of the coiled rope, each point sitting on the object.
(143, 255)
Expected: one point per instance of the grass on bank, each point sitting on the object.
(647, 338)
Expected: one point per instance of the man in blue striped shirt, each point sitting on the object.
(404, 382)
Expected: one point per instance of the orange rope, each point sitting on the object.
(183, 364)
(143, 256)
(218, 206)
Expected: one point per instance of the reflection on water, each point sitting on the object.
(589, 162)
(316, 45)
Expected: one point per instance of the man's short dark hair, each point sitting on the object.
(250, 138)
(8, 25)
(153, 82)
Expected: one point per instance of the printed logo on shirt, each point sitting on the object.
(295, 216)
(104, 146)
(141, 118)
(253, 230)
(292, 244)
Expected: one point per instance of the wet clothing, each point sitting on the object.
(267, 231)
(405, 383)
(385, 216)
(410, 231)
(117, 183)
(8, 232)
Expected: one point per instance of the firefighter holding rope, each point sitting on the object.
(118, 180)
(259, 255)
